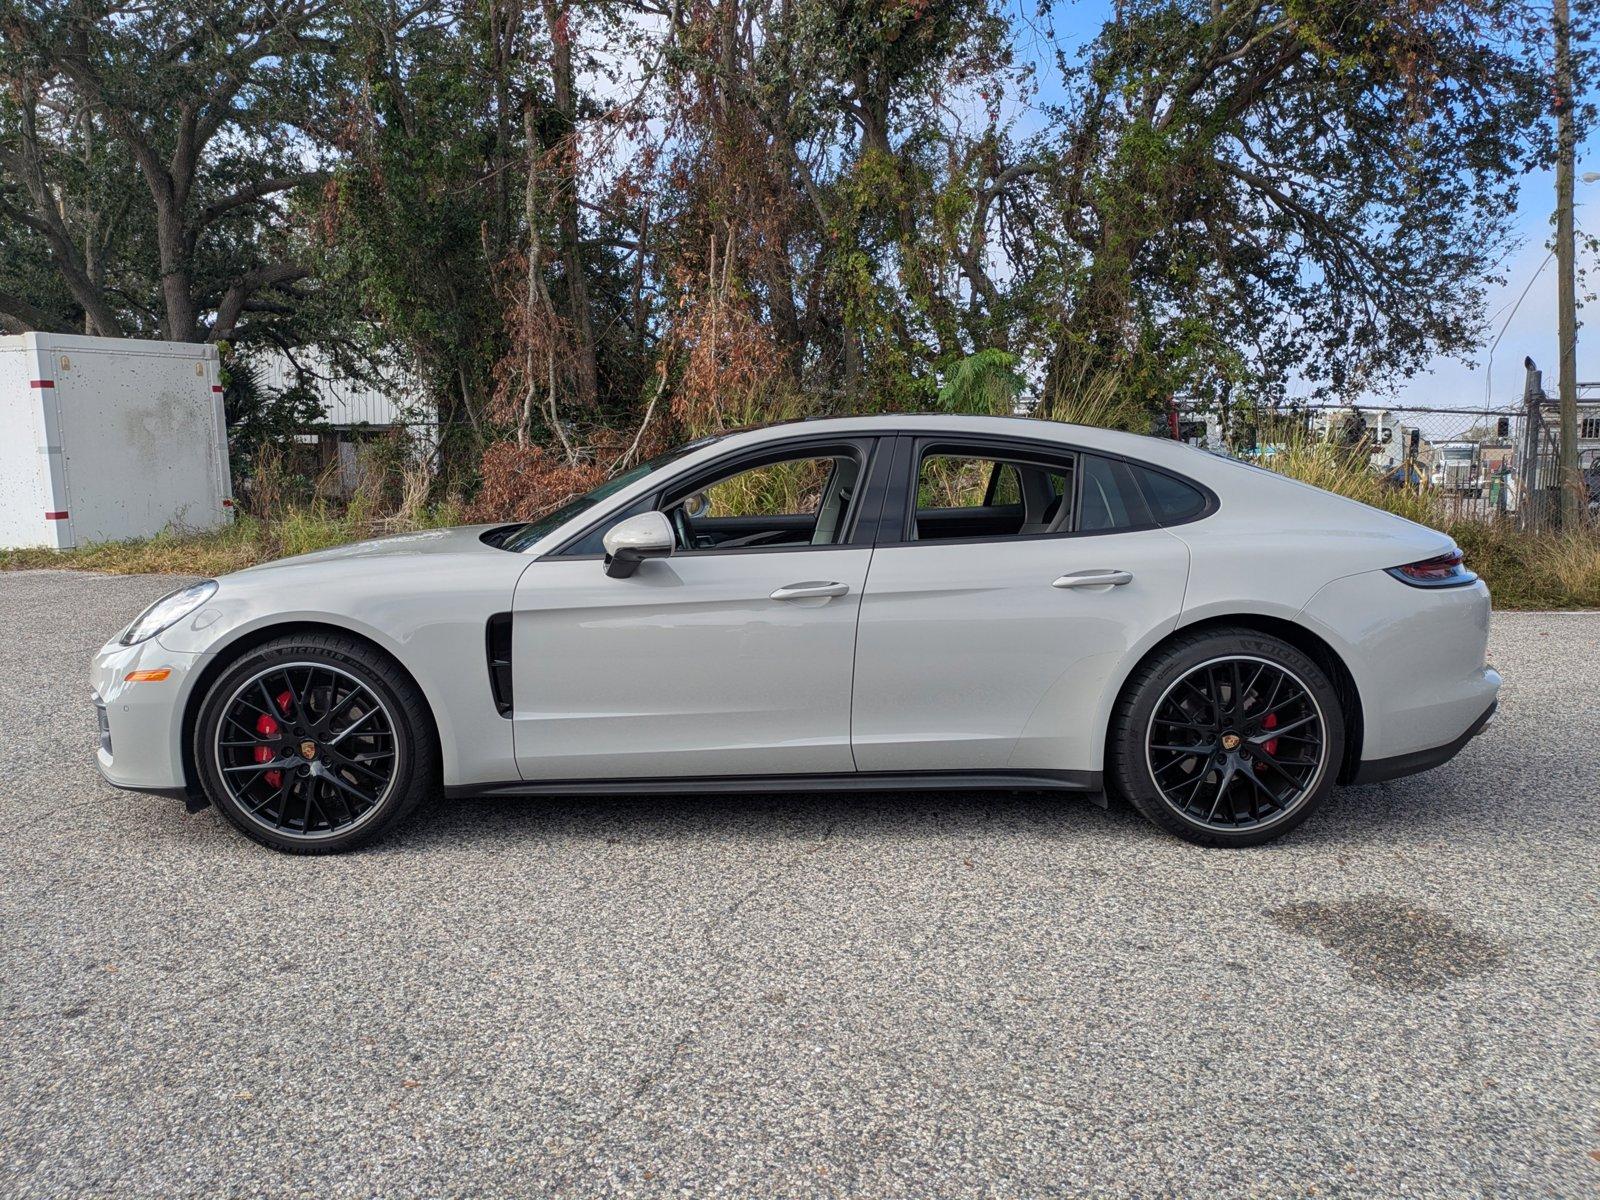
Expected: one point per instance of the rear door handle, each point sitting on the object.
(810, 591)
(1083, 579)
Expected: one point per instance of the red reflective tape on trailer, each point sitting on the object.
(41, 383)
(56, 516)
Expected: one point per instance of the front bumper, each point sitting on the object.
(141, 723)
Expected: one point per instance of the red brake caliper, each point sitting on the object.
(1270, 722)
(267, 727)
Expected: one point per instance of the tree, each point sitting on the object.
(1247, 192)
(591, 227)
(845, 161)
(150, 155)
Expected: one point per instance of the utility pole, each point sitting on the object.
(1531, 508)
(1566, 159)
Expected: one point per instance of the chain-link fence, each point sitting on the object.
(1494, 462)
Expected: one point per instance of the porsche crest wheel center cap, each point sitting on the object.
(308, 750)
(1230, 741)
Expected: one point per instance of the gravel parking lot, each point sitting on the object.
(864, 996)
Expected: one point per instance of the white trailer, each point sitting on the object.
(103, 439)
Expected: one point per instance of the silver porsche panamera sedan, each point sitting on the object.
(863, 603)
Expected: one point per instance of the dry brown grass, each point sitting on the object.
(1533, 571)
(1524, 570)
(248, 541)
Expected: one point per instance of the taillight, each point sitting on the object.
(1447, 570)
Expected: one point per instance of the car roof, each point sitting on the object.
(1156, 450)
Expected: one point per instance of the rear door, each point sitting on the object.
(992, 651)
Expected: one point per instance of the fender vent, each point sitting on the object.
(497, 641)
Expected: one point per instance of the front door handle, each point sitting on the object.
(1083, 579)
(810, 591)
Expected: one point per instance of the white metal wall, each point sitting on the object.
(23, 493)
(129, 437)
(345, 401)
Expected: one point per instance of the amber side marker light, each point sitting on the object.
(147, 676)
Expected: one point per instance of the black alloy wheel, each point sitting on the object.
(314, 744)
(1236, 743)
(1228, 738)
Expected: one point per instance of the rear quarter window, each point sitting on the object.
(1171, 501)
(1123, 495)
(1111, 498)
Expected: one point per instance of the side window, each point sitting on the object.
(1119, 495)
(1111, 498)
(1171, 500)
(801, 501)
(789, 488)
(975, 495)
(956, 481)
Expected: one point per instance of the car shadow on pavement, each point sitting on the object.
(1420, 809)
(1450, 801)
(762, 817)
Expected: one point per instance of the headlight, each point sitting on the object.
(167, 611)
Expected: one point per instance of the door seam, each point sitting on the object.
(855, 650)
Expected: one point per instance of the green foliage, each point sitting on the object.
(259, 418)
(986, 382)
(1257, 192)
(572, 221)
(155, 159)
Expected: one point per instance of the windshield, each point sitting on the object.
(525, 535)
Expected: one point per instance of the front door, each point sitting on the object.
(731, 657)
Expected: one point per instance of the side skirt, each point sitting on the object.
(875, 781)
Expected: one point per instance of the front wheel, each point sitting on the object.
(1227, 738)
(313, 744)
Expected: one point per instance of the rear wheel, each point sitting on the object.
(313, 744)
(1228, 738)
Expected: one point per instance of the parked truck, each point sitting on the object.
(1456, 468)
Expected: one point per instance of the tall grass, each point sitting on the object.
(1335, 470)
(1533, 571)
(1099, 400)
(286, 516)
(1524, 569)
(248, 541)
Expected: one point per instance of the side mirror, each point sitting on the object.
(628, 543)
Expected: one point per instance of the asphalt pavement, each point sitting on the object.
(964, 995)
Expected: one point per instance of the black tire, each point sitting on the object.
(1219, 758)
(314, 744)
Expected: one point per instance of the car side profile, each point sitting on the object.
(897, 602)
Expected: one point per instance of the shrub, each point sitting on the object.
(523, 482)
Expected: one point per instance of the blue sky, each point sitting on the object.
(1529, 330)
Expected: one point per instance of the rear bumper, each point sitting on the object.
(1417, 657)
(1376, 770)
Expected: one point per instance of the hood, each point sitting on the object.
(425, 542)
